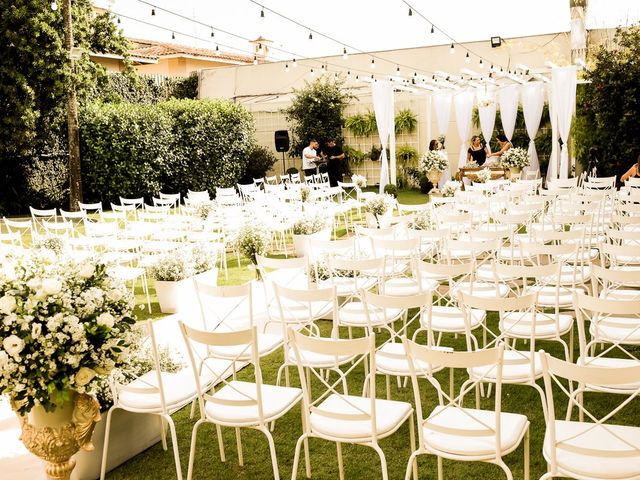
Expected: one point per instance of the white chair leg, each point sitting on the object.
(220, 443)
(526, 455)
(412, 440)
(272, 449)
(192, 449)
(239, 447)
(505, 469)
(296, 457)
(340, 462)
(174, 441)
(412, 466)
(105, 449)
(163, 432)
(383, 461)
(440, 469)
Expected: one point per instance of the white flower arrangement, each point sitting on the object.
(176, 266)
(433, 160)
(253, 239)
(471, 164)
(62, 324)
(305, 193)
(515, 157)
(379, 204)
(310, 224)
(359, 181)
(450, 188)
(51, 242)
(204, 209)
(483, 176)
(422, 221)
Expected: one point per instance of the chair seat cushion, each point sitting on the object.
(405, 286)
(516, 368)
(317, 360)
(451, 319)
(391, 359)
(481, 289)
(389, 416)
(606, 454)
(618, 329)
(621, 294)
(276, 401)
(179, 389)
(486, 273)
(267, 343)
(512, 429)
(300, 312)
(353, 313)
(346, 286)
(518, 324)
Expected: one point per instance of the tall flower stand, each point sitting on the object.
(56, 436)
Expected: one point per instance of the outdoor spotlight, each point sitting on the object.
(496, 42)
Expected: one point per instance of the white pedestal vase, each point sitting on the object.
(131, 434)
(301, 242)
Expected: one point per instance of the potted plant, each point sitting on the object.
(515, 159)
(433, 164)
(307, 227)
(68, 322)
(173, 274)
(253, 239)
(405, 121)
(375, 153)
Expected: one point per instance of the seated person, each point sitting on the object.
(477, 151)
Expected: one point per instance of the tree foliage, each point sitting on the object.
(123, 87)
(608, 108)
(317, 111)
(34, 70)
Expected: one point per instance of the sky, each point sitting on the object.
(357, 25)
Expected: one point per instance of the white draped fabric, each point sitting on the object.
(463, 104)
(552, 169)
(384, 110)
(564, 81)
(532, 104)
(508, 97)
(487, 111)
(441, 100)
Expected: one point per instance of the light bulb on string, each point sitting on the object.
(173, 36)
(294, 63)
(344, 53)
(452, 50)
(119, 21)
(286, 67)
(312, 72)
(410, 12)
(310, 35)
(398, 70)
(349, 74)
(481, 64)
(322, 68)
(373, 63)
(466, 58)
(153, 12)
(212, 33)
(217, 48)
(255, 60)
(335, 76)
(432, 29)
(261, 12)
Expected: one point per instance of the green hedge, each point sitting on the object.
(140, 149)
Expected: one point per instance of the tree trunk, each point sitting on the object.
(75, 178)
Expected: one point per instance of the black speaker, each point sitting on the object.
(282, 140)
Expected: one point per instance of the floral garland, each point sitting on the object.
(62, 324)
(432, 160)
(515, 157)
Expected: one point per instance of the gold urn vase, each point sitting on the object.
(56, 436)
(434, 177)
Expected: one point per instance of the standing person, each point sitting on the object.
(477, 151)
(633, 172)
(309, 157)
(335, 160)
(504, 143)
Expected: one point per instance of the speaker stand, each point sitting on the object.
(284, 166)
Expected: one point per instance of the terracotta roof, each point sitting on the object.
(155, 49)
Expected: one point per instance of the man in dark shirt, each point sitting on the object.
(335, 158)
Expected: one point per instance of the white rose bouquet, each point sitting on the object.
(433, 160)
(515, 157)
(62, 325)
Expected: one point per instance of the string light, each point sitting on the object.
(410, 12)
(212, 33)
(398, 70)
(335, 76)
(294, 63)
(173, 36)
(466, 58)
(452, 50)
(481, 64)
(262, 12)
(322, 67)
(286, 67)
(373, 63)
(153, 12)
(312, 72)
(310, 35)
(255, 60)
(344, 53)
(217, 48)
(432, 29)
(119, 21)
(349, 74)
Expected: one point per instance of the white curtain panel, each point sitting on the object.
(532, 104)
(508, 97)
(463, 105)
(383, 107)
(564, 81)
(446, 175)
(552, 169)
(487, 111)
(442, 104)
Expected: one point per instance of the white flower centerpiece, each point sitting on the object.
(422, 220)
(433, 164)
(450, 188)
(62, 325)
(310, 226)
(305, 193)
(515, 159)
(174, 272)
(483, 176)
(359, 181)
(378, 206)
(253, 239)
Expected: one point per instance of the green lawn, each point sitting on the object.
(360, 461)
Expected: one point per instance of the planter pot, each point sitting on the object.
(301, 242)
(514, 171)
(434, 177)
(180, 296)
(131, 433)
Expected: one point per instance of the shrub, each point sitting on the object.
(291, 170)
(261, 160)
(391, 189)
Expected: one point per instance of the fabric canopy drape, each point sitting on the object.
(487, 111)
(552, 169)
(564, 81)
(442, 103)
(463, 104)
(532, 104)
(384, 110)
(508, 97)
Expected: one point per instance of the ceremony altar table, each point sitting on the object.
(470, 173)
